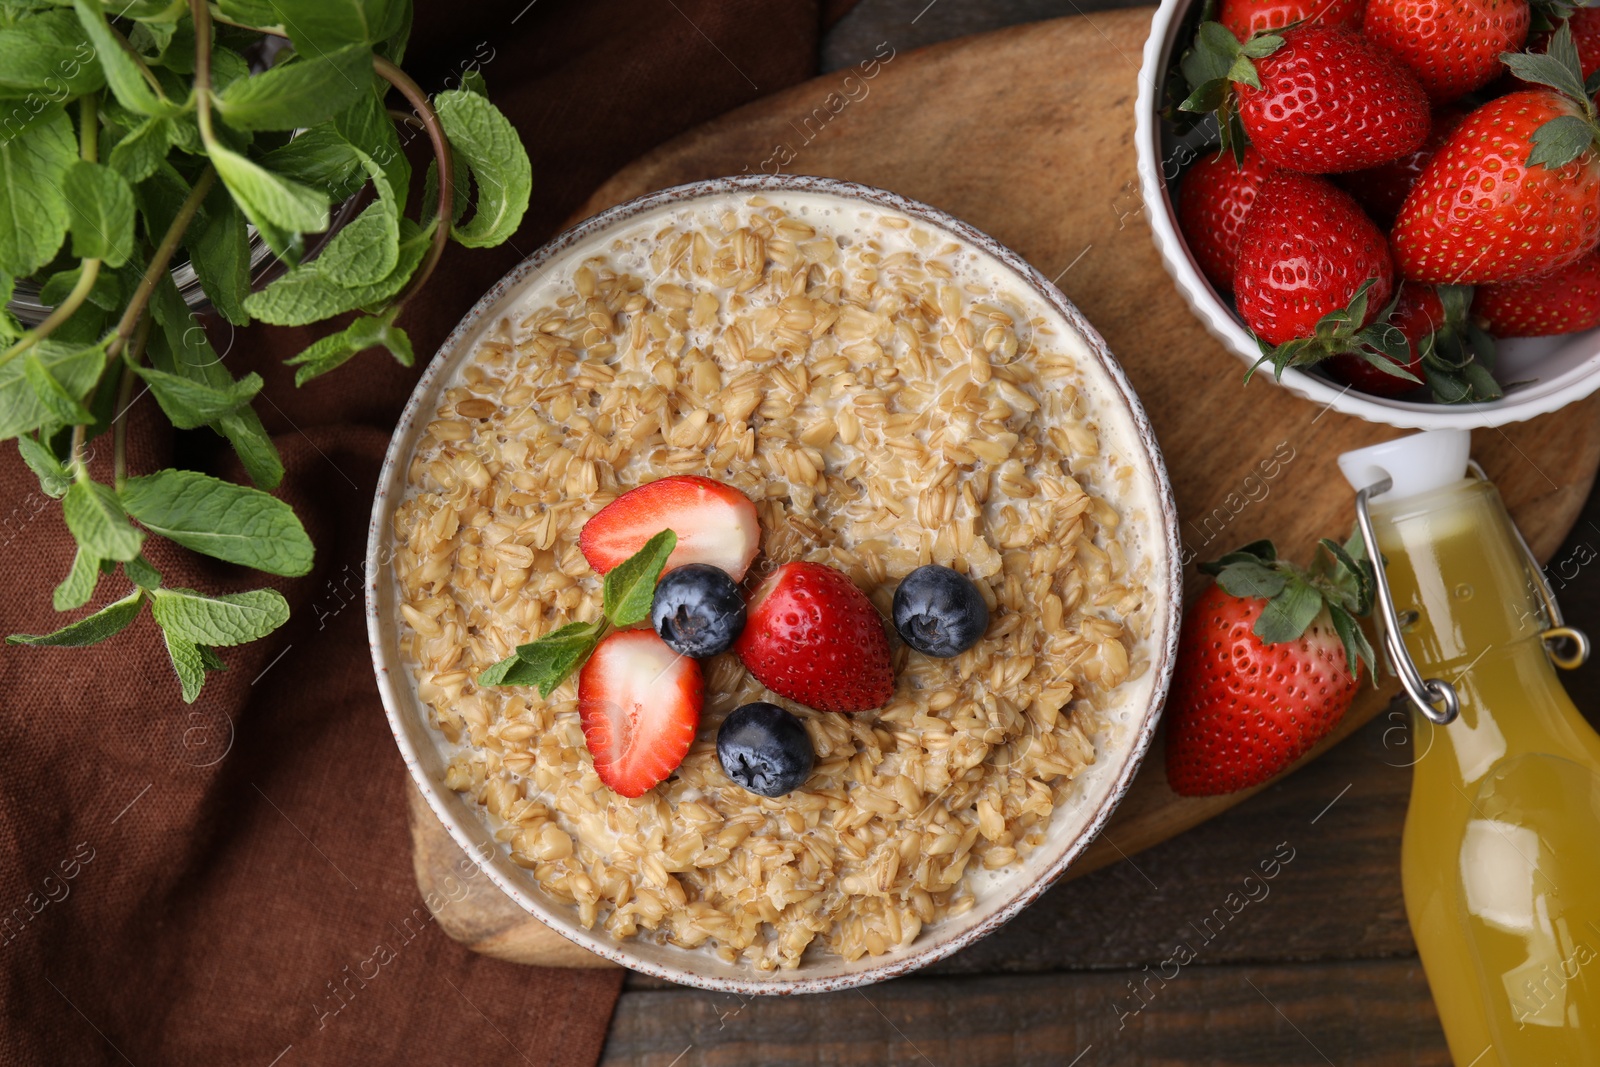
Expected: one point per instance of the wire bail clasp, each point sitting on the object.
(1427, 694)
(1567, 646)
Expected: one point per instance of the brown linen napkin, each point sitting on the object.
(230, 882)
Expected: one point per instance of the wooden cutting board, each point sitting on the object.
(1027, 134)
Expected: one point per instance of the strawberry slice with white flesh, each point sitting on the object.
(639, 703)
(715, 524)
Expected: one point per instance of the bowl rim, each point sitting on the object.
(1546, 396)
(390, 675)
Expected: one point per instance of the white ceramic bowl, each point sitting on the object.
(1558, 370)
(1131, 722)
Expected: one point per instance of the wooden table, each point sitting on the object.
(1321, 970)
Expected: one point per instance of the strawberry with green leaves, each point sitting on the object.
(1452, 46)
(1314, 99)
(1564, 302)
(1313, 273)
(1515, 191)
(1448, 351)
(1269, 659)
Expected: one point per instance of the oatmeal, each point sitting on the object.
(887, 398)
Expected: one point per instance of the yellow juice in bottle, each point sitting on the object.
(1501, 853)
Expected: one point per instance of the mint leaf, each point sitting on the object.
(98, 523)
(219, 251)
(1287, 615)
(187, 664)
(304, 295)
(62, 408)
(212, 661)
(461, 192)
(266, 198)
(498, 163)
(53, 477)
(366, 250)
(140, 573)
(99, 213)
(221, 519)
(315, 25)
(254, 447)
(77, 588)
(631, 585)
(76, 368)
(337, 348)
(33, 213)
(183, 348)
(91, 629)
(190, 404)
(301, 92)
(121, 69)
(230, 619)
(321, 158)
(48, 51)
(366, 125)
(547, 661)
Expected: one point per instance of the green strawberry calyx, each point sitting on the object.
(1458, 355)
(1565, 137)
(1342, 330)
(1341, 581)
(1212, 66)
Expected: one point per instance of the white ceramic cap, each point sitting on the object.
(1418, 463)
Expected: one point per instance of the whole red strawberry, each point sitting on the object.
(1213, 200)
(1252, 692)
(1329, 101)
(812, 636)
(1305, 250)
(1453, 46)
(1564, 302)
(1249, 17)
(1417, 314)
(1489, 207)
(1382, 189)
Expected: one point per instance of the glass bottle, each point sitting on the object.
(1501, 854)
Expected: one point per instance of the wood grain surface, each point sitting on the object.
(1037, 151)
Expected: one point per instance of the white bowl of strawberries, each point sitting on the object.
(1388, 205)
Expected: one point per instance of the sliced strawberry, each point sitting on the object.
(715, 524)
(812, 636)
(639, 702)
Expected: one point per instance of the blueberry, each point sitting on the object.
(697, 610)
(765, 749)
(938, 612)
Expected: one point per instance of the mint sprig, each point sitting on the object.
(148, 142)
(625, 598)
(1341, 581)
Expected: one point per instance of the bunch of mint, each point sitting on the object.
(142, 134)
